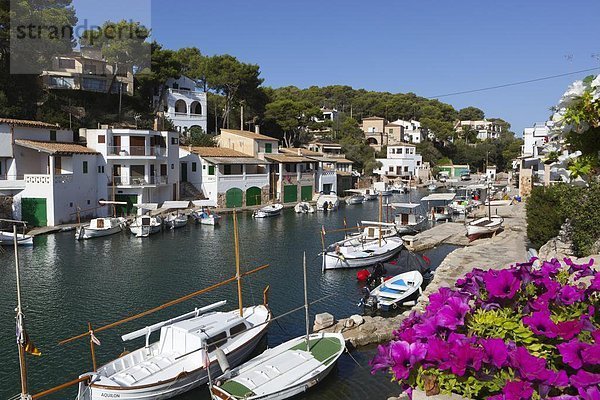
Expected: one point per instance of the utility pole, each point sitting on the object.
(242, 116)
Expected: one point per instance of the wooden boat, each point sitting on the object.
(485, 225)
(7, 239)
(370, 194)
(268, 211)
(328, 202)
(285, 370)
(145, 225)
(441, 213)
(396, 291)
(408, 219)
(362, 255)
(355, 199)
(205, 217)
(99, 227)
(371, 230)
(174, 221)
(304, 208)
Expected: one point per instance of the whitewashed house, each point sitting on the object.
(48, 176)
(485, 129)
(136, 166)
(402, 161)
(411, 130)
(185, 104)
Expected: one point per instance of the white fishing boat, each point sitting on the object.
(371, 230)
(7, 239)
(206, 217)
(400, 188)
(483, 226)
(432, 187)
(370, 194)
(268, 211)
(145, 225)
(176, 363)
(328, 202)
(356, 198)
(460, 205)
(409, 217)
(285, 370)
(99, 227)
(396, 291)
(441, 213)
(174, 221)
(304, 208)
(382, 188)
(361, 255)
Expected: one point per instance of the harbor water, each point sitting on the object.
(66, 284)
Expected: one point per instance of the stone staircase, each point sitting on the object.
(187, 191)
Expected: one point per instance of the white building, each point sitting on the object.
(48, 176)
(485, 129)
(402, 162)
(184, 103)
(411, 132)
(534, 138)
(137, 166)
(226, 177)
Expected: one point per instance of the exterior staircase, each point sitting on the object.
(187, 191)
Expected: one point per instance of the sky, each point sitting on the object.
(429, 47)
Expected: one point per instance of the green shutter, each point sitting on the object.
(233, 198)
(306, 193)
(211, 169)
(268, 148)
(253, 196)
(290, 194)
(33, 211)
(85, 167)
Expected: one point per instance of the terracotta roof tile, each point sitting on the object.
(216, 152)
(287, 158)
(27, 123)
(55, 147)
(248, 134)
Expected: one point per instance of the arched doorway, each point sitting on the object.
(196, 108)
(233, 198)
(253, 196)
(180, 107)
(372, 141)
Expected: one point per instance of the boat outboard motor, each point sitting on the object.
(223, 363)
(379, 272)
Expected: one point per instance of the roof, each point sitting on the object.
(402, 144)
(216, 152)
(55, 147)
(439, 197)
(286, 158)
(372, 118)
(343, 161)
(28, 123)
(325, 142)
(405, 205)
(392, 124)
(304, 152)
(343, 173)
(248, 134)
(235, 160)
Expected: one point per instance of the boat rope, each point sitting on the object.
(354, 359)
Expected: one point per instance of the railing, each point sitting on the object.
(327, 172)
(7, 177)
(38, 179)
(186, 115)
(139, 181)
(252, 177)
(190, 93)
(136, 151)
(63, 178)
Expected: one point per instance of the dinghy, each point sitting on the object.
(145, 225)
(355, 199)
(304, 208)
(268, 211)
(396, 291)
(7, 239)
(205, 217)
(99, 227)
(483, 226)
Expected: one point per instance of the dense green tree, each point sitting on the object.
(429, 152)
(201, 139)
(293, 117)
(193, 65)
(470, 114)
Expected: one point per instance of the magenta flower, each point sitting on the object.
(584, 379)
(463, 356)
(453, 313)
(530, 367)
(572, 353)
(502, 284)
(568, 329)
(517, 390)
(563, 397)
(438, 300)
(569, 295)
(405, 356)
(430, 327)
(383, 360)
(496, 351)
(438, 350)
(541, 324)
(595, 285)
(550, 268)
(589, 393)
(592, 355)
(581, 269)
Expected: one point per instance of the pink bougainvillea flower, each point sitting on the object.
(502, 284)
(517, 390)
(453, 313)
(496, 351)
(529, 366)
(584, 379)
(570, 294)
(541, 324)
(568, 329)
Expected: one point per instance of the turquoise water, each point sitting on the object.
(66, 283)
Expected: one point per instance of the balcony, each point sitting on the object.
(246, 177)
(198, 94)
(139, 181)
(137, 151)
(12, 182)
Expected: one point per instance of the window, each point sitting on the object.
(66, 63)
(211, 169)
(391, 168)
(216, 341)
(406, 168)
(391, 130)
(89, 69)
(268, 147)
(237, 329)
(97, 85)
(101, 139)
(88, 202)
(203, 166)
(100, 169)
(62, 82)
(174, 140)
(194, 167)
(53, 136)
(227, 169)
(399, 151)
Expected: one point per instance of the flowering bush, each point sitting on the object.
(518, 333)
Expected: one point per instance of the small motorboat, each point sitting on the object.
(372, 230)
(174, 221)
(409, 219)
(8, 239)
(441, 213)
(483, 226)
(145, 225)
(99, 227)
(268, 211)
(432, 187)
(205, 217)
(370, 194)
(304, 208)
(355, 199)
(361, 255)
(396, 291)
(328, 202)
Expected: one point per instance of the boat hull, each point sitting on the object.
(480, 227)
(7, 239)
(355, 200)
(211, 220)
(90, 233)
(144, 230)
(333, 260)
(390, 295)
(269, 211)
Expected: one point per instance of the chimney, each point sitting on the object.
(257, 129)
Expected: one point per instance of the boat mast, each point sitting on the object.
(307, 317)
(20, 325)
(380, 215)
(237, 263)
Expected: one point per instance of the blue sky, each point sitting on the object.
(428, 47)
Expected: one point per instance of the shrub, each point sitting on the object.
(543, 215)
(518, 333)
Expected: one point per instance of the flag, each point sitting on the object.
(94, 339)
(30, 347)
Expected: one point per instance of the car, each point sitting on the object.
(465, 176)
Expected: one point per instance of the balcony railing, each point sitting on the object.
(189, 93)
(186, 115)
(139, 181)
(136, 151)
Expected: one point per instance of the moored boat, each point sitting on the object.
(268, 211)
(304, 208)
(483, 226)
(145, 225)
(205, 217)
(174, 221)
(408, 219)
(361, 255)
(328, 202)
(99, 227)
(396, 291)
(7, 239)
(355, 199)
(370, 194)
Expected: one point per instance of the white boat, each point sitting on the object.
(409, 219)
(485, 225)
(205, 217)
(174, 221)
(441, 213)
(145, 225)
(268, 211)
(355, 199)
(460, 205)
(178, 361)
(361, 255)
(100, 227)
(370, 194)
(8, 239)
(396, 291)
(432, 187)
(399, 188)
(328, 202)
(371, 231)
(304, 208)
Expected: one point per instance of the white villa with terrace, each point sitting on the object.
(184, 103)
(402, 161)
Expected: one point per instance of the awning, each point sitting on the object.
(404, 205)
(175, 205)
(439, 197)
